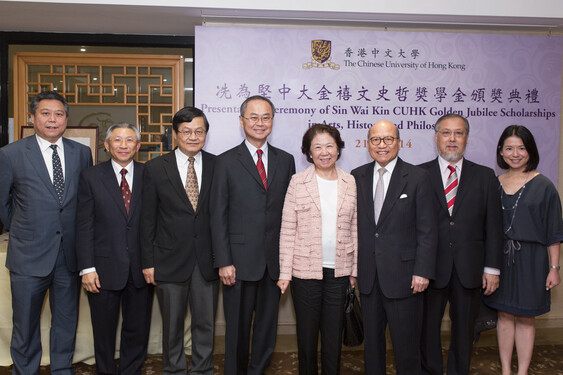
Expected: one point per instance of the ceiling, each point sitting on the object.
(176, 20)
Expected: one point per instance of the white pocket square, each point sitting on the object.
(403, 196)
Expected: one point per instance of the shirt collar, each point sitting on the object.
(389, 167)
(45, 144)
(444, 164)
(117, 168)
(183, 158)
(253, 148)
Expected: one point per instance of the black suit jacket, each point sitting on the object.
(404, 241)
(245, 217)
(173, 235)
(106, 236)
(472, 237)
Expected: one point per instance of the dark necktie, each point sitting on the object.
(192, 188)
(58, 178)
(261, 169)
(125, 191)
(451, 189)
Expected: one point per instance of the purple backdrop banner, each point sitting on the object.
(351, 79)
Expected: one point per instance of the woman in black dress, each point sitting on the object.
(533, 229)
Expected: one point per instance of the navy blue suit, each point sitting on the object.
(107, 238)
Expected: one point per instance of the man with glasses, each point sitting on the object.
(248, 194)
(109, 253)
(176, 243)
(397, 239)
(470, 242)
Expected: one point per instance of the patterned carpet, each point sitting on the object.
(547, 360)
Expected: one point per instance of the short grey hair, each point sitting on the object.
(122, 125)
(448, 116)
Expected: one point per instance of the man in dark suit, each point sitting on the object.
(469, 249)
(108, 251)
(397, 239)
(38, 183)
(176, 243)
(248, 193)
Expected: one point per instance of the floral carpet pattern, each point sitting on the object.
(547, 360)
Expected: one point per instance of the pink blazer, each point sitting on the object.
(301, 238)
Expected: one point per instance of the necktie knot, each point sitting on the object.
(123, 172)
(381, 172)
(261, 169)
(192, 187)
(451, 188)
(58, 177)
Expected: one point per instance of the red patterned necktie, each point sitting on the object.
(125, 191)
(192, 188)
(451, 188)
(261, 169)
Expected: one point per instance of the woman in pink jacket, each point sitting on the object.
(319, 248)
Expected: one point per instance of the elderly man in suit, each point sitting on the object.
(38, 184)
(249, 190)
(176, 243)
(397, 238)
(467, 203)
(109, 252)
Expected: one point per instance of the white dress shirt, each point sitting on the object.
(386, 176)
(47, 152)
(182, 162)
(254, 154)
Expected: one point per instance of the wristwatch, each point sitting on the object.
(555, 267)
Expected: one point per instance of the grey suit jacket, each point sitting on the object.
(30, 209)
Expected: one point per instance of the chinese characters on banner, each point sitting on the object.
(350, 79)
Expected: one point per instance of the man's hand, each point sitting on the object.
(490, 283)
(91, 282)
(148, 273)
(419, 284)
(227, 274)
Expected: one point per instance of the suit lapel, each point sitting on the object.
(366, 179)
(71, 165)
(396, 185)
(248, 163)
(310, 182)
(208, 165)
(438, 184)
(341, 188)
(109, 180)
(136, 194)
(171, 170)
(465, 181)
(36, 159)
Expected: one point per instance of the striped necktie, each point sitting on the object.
(261, 169)
(451, 188)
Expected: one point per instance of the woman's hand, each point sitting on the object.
(553, 279)
(283, 284)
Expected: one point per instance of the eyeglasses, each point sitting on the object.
(188, 133)
(387, 140)
(448, 133)
(127, 140)
(254, 119)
